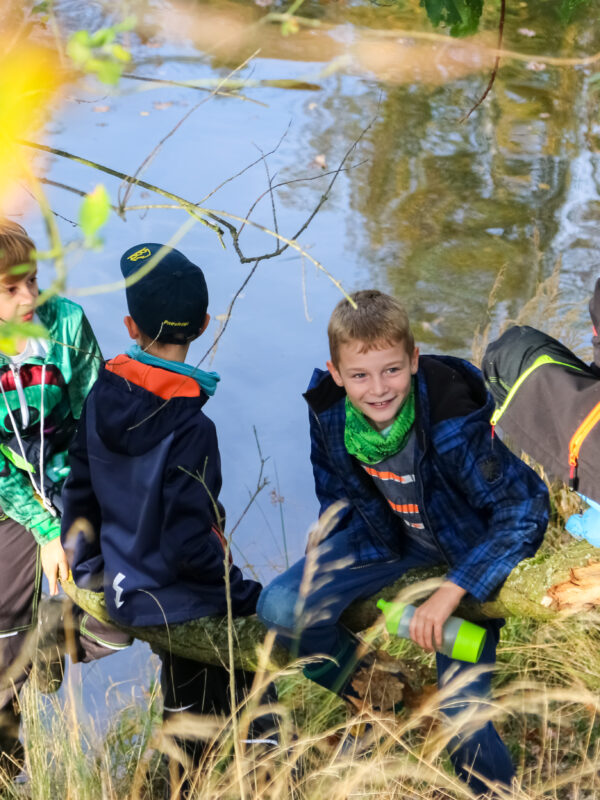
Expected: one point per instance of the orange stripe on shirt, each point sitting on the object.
(408, 508)
(388, 476)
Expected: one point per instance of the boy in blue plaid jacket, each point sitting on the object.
(403, 445)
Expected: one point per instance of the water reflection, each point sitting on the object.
(441, 206)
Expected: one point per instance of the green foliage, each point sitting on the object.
(99, 53)
(13, 332)
(461, 15)
(20, 269)
(568, 8)
(93, 213)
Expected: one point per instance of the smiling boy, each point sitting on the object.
(405, 443)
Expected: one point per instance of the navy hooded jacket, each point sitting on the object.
(486, 509)
(145, 479)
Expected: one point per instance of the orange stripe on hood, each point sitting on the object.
(161, 382)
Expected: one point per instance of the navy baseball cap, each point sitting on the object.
(168, 303)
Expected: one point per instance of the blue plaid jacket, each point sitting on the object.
(486, 509)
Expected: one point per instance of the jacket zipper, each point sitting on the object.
(577, 440)
(539, 362)
(21, 395)
(424, 514)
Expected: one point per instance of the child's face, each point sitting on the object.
(377, 381)
(17, 297)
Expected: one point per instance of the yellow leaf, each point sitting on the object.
(30, 76)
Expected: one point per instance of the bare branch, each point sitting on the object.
(152, 155)
(249, 166)
(192, 85)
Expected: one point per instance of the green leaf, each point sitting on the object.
(81, 37)
(120, 53)
(78, 48)
(98, 52)
(102, 37)
(108, 71)
(40, 8)
(21, 269)
(94, 212)
(461, 15)
(12, 333)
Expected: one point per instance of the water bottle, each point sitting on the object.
(460, 639)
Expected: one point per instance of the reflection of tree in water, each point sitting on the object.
(445, 206)
(442, 207)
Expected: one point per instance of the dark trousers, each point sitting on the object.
(304, 605)
(20, 591)
(190, 687)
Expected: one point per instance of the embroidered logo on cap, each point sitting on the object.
(143, 253)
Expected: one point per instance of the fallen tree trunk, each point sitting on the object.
(541, 587)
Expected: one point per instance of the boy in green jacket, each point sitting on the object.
(43, 385)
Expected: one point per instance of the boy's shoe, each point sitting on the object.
(49, 661)
(264, 747)
(358, 740)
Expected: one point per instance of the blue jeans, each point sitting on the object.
(304, 605)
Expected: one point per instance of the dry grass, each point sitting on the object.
(545, 705)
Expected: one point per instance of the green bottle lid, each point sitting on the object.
(392, 613)
(469, 642)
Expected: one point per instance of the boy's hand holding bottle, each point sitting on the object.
(429, 618)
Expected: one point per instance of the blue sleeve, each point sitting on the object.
(512, 497)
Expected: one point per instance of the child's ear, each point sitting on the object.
(201, 330)
(334, 373)
(204, 325)
(132, 328)
(414, 361)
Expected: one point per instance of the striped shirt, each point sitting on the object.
(394, 477)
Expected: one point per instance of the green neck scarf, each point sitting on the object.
(369, 445)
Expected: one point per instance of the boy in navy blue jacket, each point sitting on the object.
(146, 475)
(405, 446)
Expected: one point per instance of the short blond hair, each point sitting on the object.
(16, 247)
(378, 319)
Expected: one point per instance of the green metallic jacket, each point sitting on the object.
(50, 389)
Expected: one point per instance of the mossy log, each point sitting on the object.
(541, 587)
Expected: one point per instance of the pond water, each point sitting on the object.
(428, 207)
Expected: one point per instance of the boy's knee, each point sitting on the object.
(276, 606)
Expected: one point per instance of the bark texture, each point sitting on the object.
(563, 582)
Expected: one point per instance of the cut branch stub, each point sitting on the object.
(581, 592)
